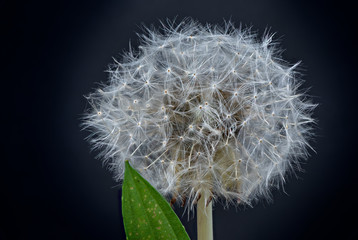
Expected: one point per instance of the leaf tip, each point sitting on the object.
(126, 163)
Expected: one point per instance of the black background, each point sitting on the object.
(52, 187)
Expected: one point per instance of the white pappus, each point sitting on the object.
(202, 109)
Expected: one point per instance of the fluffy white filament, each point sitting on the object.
(202, 109)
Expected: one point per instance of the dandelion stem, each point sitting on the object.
(204, 219)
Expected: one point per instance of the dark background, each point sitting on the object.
(52, 187)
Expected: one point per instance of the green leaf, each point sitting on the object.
(146, 214)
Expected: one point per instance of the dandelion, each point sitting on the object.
(204, 113)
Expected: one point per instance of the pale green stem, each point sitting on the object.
(204, 219)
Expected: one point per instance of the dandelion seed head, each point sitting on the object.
(203, 109)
